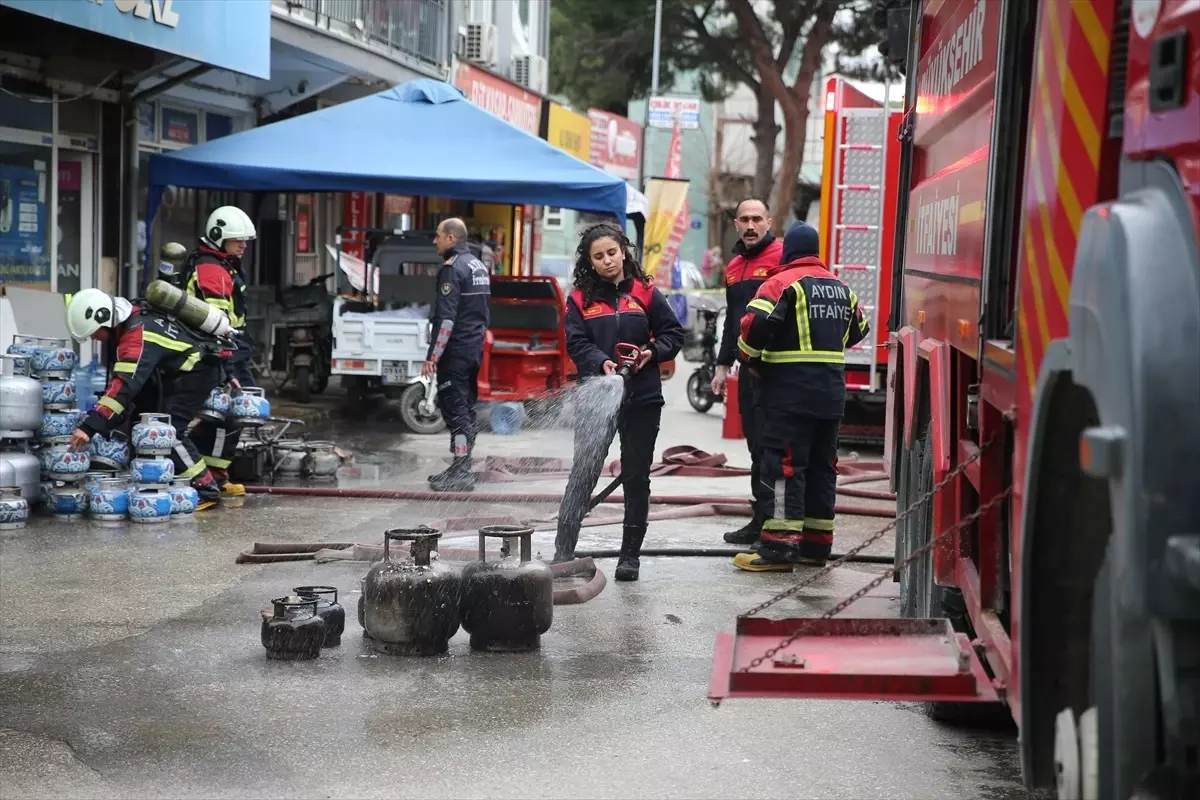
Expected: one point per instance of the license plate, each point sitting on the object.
(395, 372)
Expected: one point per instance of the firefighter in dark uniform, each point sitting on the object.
(614, 303)
(461, 316)
(213, 273)
(795, 335)
(159, 364)
(756, 253)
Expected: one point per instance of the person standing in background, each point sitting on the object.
(794, 335)
(460, 320)
(756, 253)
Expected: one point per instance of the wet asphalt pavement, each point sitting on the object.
(130, 666)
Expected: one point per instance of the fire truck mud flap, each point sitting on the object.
(848, 659)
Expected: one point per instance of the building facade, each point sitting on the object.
(90, 89)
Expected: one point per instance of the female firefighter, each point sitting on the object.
(615, 303)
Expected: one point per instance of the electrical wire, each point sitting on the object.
(59, 101)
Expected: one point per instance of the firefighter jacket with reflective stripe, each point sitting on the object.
(795, 333)
(216, 278)
(747, 271)
(631, 312)
(462, 311)
(147, 342)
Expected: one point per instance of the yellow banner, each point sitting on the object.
(667, 198)
(569, 131)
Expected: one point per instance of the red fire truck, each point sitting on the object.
(859, 190)
(1043, 397)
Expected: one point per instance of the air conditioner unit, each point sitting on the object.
(531, 72)
(481, 43)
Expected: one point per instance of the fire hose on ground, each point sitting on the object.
(682, 462)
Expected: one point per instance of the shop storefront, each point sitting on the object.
(612, 144)
(510, 231)
(62, 128)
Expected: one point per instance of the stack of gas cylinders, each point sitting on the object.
(20, 415)
(412, 604)
(52, 362)
(153, 438)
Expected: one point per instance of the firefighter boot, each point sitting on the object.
(457, 478)
(228, 487)
(769, 558)
(631, 548)
(206, 487)
(748, 534)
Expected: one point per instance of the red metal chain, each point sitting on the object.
(896, 569)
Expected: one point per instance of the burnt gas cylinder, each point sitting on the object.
(328, 609)
(410, 607)
(508, 604)
(292, 631)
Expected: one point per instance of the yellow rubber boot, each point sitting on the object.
(753, 562)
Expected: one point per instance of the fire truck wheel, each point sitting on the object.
(920, 597)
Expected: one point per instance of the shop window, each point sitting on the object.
(553, 221)
(177, 127)
(148, 122)
(216, 126)
(24, 214)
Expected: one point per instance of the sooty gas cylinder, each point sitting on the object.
(508, 604)
(292, 631)
(410, 607)
(328, 609)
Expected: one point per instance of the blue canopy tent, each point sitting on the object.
(420, 138)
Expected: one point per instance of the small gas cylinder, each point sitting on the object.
(410, 607)
(508, 604)
(292, 631)
(191, 310)
(328, 609)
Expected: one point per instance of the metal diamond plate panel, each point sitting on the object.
(864, 129)
(863, 166)
(862, 281)
(860, 207)
(857, 247)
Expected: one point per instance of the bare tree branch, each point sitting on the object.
(722, 51)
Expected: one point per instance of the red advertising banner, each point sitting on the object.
(304, 223)
(683, 219)
(508, 101)
(616, 144)
(354, 216)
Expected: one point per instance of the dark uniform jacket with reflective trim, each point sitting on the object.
(627, 313)
(148, 342)
(795, 334)
(462, 312)
(746, 273)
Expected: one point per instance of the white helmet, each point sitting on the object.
(228, 223)
(91, 309)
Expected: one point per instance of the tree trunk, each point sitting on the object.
(795, 123)
(766, 135)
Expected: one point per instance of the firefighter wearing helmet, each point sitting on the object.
(213, 273)
(158, 364)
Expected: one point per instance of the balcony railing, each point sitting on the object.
(416, 28)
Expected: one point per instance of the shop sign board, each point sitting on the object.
(354, 216)
(616, 144)
(229, 35)
(664, 110)
(569, 131)
(514, 104)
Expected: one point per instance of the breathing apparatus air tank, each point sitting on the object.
(192, 311)
(173, 256)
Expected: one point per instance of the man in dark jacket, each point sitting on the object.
(795, 334)
(757, 251)
(460, 320)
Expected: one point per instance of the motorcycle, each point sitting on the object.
(699, 385)
(308, 319)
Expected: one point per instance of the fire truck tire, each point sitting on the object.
(920, 597)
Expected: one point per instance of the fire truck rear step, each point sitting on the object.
(850, 659)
